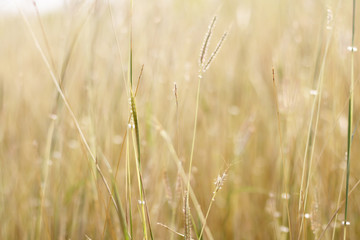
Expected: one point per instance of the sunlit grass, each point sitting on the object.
(116, 123)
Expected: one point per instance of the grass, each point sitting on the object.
(350, 122)
(187, 137)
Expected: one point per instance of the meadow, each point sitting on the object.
(183, 119)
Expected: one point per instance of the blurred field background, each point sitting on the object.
(49, 186)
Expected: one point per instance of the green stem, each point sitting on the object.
(350, 122)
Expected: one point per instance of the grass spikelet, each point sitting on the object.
(219, 182)
(178, 187)
(215, 52)
(113, 164)
(315, 217)
(183, 176)
(177, 118)
(127, 167)
(187, 218)
(203, 69)
(136, 138)
(135, 125)
(136, 144)
(168, 193)
(176, 95)
(206, 42)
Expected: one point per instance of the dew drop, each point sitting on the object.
(284, 229)
(313, 92)
(285, 196)
(352, 49)
(347, 223)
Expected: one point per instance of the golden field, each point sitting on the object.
(115, 123)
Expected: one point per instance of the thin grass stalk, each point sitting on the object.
(284, 165)
(342, 203)
(203, 69)
(195, 228)
(136, 144)
(67, 105)
(338, 210)
(101, 203)
(315, 107)
(128, 171)
(69, 53)
(344, 172)
(51, 130)
(193, 144)
(92, 129)
(350, 120)
(135, 131)
(136, 136)
(121, 214)
(338, 202)
(187, 218)
(45, 174)
(309, 130)
(171, 230)
(117, 42)
(48, 150)
(49, 139)
(141, 201)
(2, 169)
(218, 184)
(125, 84)
(90, 87)
(47, 45)
(307, 147)
(127, 166)
(177, 118)
(174, 202)
(309, 174)
(147, 210)
(128, 186)
(183, 175)
(130, 45)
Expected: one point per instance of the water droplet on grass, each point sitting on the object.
(284, 229)
(313, 92)
(347, 223)
(285, 196)
(352, 49)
